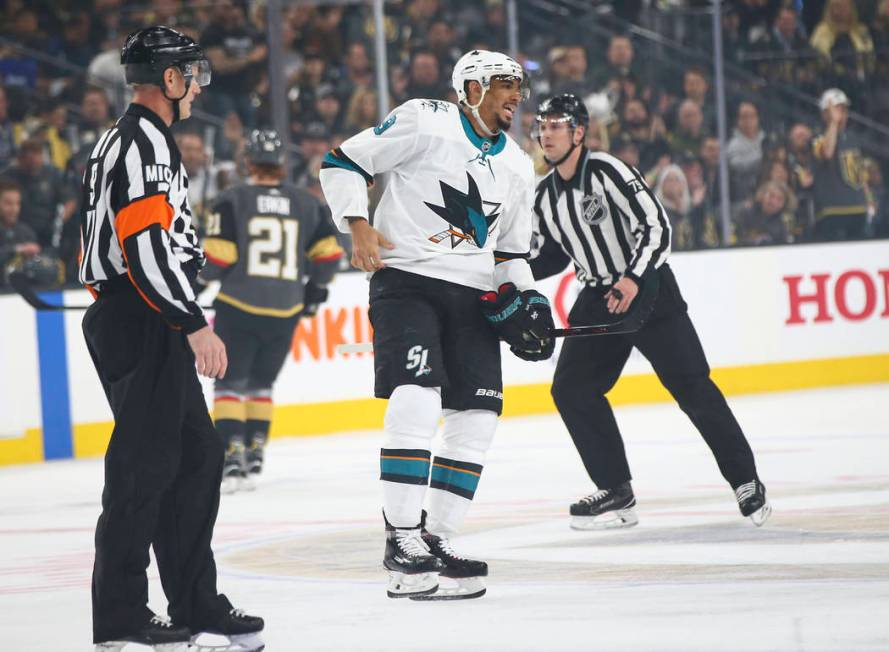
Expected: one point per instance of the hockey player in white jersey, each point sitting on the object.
(448, 253)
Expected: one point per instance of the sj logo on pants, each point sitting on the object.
(416, 359)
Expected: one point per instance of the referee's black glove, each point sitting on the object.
(314, 296)
(522, 319)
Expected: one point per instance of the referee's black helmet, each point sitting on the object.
(566, 105)
(148, 52)
(264, 147)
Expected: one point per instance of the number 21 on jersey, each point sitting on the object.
(272, 250)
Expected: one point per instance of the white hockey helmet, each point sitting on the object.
(832, 97)
(482, 66)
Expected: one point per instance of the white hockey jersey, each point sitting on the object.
(454, 200)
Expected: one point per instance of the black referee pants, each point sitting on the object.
(589, 367)
(162, 470)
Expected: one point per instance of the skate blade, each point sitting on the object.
(206, 642)
(761, 515)
(230, 485)
(118, 646)
(622, 518)
(465, 588)
(402, 585)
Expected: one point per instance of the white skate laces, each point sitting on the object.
(594, 498)
(445, 547)
(160, 620)
(237, 613)
(411, 543)
(746, 490)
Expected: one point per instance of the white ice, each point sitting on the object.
(304, 550)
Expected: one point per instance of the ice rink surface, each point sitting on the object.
(304, 550)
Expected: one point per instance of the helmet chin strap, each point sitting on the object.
(475, 114)
(566, 155)
(175, 100)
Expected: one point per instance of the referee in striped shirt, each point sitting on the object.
(597, 213)
(146, 333)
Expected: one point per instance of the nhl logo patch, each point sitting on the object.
(595, 210)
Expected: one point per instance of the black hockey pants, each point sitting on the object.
(162, 470)
(589, 367)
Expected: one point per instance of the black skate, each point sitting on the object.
(159, 634)
(752, 502)
(466, 573)
(234, 469)
(413, 571)
(235, 632)
(605, 510)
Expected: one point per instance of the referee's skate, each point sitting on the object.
(753, 503)
(607, 509)
(158, 634)
(234, 631)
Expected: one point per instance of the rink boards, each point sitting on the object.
(770, 319)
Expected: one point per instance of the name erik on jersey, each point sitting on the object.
(266, 204)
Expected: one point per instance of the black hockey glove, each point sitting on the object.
(522, 319)
(314, 296)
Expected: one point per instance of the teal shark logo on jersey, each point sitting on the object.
(384, 125)
(465, 212)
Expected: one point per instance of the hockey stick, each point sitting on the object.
(19, 282)
(613, 328)
(355, 347)
(626, 325)
(630, 322)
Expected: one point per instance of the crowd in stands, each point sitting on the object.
(61, 85)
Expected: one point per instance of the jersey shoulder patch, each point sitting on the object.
(385, 124)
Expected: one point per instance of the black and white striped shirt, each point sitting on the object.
(605, 220)
(136, 219)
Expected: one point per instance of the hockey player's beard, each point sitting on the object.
(503, 124)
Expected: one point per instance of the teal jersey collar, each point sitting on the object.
(487, 146)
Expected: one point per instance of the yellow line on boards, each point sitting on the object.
(26, 449)
(91, 439)
(733, 381)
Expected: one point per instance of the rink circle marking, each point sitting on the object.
(792, 547)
